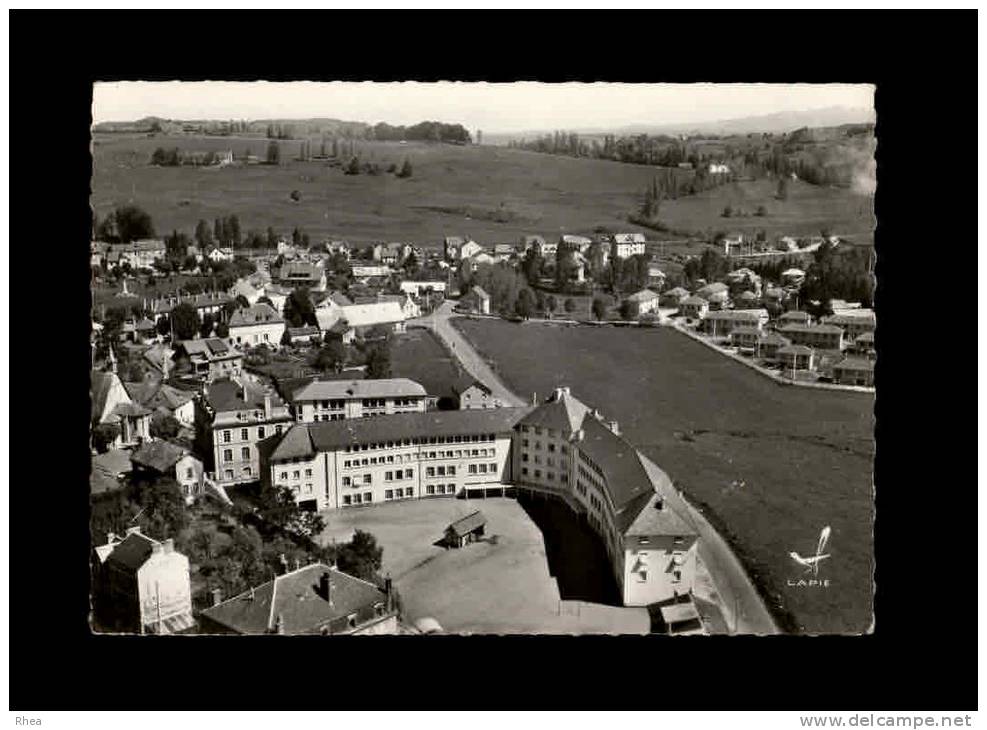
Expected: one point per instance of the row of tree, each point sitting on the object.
(423, 131)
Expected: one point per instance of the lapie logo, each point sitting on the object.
(811, 563)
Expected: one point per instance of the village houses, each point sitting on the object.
(256, 325)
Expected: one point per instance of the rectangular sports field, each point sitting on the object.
(771, 464)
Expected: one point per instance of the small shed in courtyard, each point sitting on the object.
(465, 530)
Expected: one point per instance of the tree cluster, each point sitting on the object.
(127, 223)
(423, 131)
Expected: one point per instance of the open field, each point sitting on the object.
(417, 354)
(808, 209)
(494, 194)
(804, 456)
(500, 585)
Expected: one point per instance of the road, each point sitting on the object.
(469, 358)
(743, 607)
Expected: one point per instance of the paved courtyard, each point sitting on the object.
(501, 585)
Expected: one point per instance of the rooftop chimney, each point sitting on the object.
(268, 407)
(279, 624)
(217, 596)
(325, 586)
(534, 398)
(111, 538)
(168, 545)
(614, 426)
(659, 504)
(132, 530)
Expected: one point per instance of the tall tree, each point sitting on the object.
(203, 236)
(185, 321)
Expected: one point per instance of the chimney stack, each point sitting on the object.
(268, 407)
(132, 530)
(217, 596)
(168, 546)
(325, 586)
(659, 503)
(534, 398)
(284, 563)
(614, 426)
(279, 624)
(111, 538)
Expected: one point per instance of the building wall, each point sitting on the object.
(337, 409)
(185, 413)
(188, 474)
(650, 573)
(340, 477)
(243, 435)
(164, 577)
(474, 398)
(267, 333)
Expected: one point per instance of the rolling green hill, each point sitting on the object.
(493, 194)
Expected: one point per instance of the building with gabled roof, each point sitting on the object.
(156, 395)
(233, 417)
(315, 599)
(209, 358)
(854, 371)
(353, 462)
(141, 585)
(112, 405)
(335, 400)
(257, 325)
(566, 450)
(465, 530)
(470, 393)
(818, 336)
(164, 458)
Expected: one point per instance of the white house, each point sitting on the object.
(418, 288)
(643, 302)
(626, 245)
(716, 168)
(256, 325)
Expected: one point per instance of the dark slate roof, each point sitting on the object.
(626, 478)
(565, 414)
(811, 328)
(795, 350)
(257, 314)
(132, 552)
(466, 525)
(227, 395)
(296, 599)
(306, 439)
(158, 455)
(854, 363)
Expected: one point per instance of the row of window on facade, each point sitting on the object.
(244, 453)
(399, 458)
(549, 475)
(245, 433)
(549, 461)
(424, 440)
(550, 446)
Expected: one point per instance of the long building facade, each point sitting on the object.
(561, 448)
(350, 463)
(337, 400)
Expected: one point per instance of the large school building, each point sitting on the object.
(561, 449)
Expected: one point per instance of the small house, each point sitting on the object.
(465, 530)
(796, 357)
(854, 371)
(643, 302)
(693, 307)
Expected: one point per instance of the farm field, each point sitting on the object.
(418, 355)
(747, 451)
(808, 209)
(493, 194)
(500, 585)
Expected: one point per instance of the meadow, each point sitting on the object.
(769, 465)
(494, 194)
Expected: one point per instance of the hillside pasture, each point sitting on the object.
(769, 465)
(494, 194)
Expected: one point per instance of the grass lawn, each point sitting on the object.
(804, 456)
(419, 355)
(501, 585)
(493, 194)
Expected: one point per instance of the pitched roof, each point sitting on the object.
(466, 382)
(256, 314)
(153, 393)
(629, 238)
(854, 363)
(562, 412)
(645, 295)
(306, 331)
(100, 384)
(748, 315)
(693, 300)
(773, 338)
(795, 316)
(828, 328)
(795, 350)
(367, 315)
(307, 439)
(297, 600)
(676, 292)
(479, 291)
(158, 455)
(626, 479)
(104, 469)
(466, 525)
(228, 395)
(132, 552)
(383, 388)
(745, 330)
(210, 348)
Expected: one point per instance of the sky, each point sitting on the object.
(494, 108)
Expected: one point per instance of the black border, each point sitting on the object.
(921, 654)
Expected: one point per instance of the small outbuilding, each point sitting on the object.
(465, 530)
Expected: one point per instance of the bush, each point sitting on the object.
(727, 212)
(295, 195)
(570, 306)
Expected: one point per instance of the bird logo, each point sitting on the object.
(811, 564)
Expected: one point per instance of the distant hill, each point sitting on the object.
(777, 123)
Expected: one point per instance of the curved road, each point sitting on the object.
(743, 607)
(471, 361)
